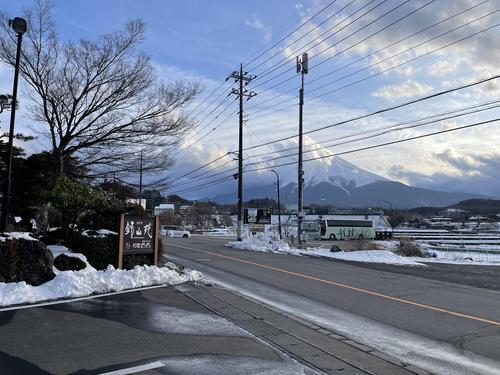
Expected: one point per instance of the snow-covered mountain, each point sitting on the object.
(344, 175)
(343, 184)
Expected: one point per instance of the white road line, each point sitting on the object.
(133, 370)
(79, 298)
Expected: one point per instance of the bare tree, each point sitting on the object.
(100, 100)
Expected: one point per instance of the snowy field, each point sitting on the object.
(382, 252)
(89, 281)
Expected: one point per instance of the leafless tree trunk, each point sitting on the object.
(100, 100)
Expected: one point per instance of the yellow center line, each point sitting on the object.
(361, 290)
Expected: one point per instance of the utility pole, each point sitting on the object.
(303, 69)
(243, 78)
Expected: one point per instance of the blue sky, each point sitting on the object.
(205, 41)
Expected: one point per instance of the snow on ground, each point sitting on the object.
(228, 365)
(369, 256)
(266, 242)
(72, 284)
(16, 235)
(261, 242)
(169, 319)
(101, 233)
(462, 257)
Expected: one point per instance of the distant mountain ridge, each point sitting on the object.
(347, 186)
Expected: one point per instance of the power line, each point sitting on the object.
(282, 62)
(383, 132)
(289, 34)
(473, 109)
(462, 109)
(370, 76)
(218, 181)
(307, 33)
(374, 52)
(391, 108)
(375, 64)
(385, 144)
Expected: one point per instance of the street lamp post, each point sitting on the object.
(279, 201)
(19, 26)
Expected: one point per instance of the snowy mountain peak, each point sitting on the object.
(343, 174)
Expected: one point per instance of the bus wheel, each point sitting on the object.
(361, 237)
(333, 237)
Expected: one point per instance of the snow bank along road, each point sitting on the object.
(443, 327)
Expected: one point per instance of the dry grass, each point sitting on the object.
(409, 249)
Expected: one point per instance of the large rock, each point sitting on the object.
(67, 263)
(25, 260)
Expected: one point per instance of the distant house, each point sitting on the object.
(139, 202)
(183, 209)
(164, 209)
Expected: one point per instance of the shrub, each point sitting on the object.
(53, 237)
(100, 251)
(409, 249)
(67, 263)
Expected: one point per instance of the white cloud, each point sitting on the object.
(406, 89)
(441, 68)
(257, 24)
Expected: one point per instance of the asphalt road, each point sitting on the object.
(150, 331)
(461, 316)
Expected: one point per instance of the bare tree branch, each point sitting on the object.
(100, 100)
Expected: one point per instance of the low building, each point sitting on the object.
(164, 209)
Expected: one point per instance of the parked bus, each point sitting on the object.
(346, 229)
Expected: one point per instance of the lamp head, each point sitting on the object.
(18, 24)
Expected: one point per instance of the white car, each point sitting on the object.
(174, 231)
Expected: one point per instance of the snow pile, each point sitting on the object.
(59, 249)
(261, 242)
(269, 243)
(16, 235)
(100, 233)
(483, 258)
(462, 257)
(369, 256)
(71, 284)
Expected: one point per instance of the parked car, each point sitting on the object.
(174, 231)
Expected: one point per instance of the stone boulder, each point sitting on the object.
(25, 260)
(67, 263)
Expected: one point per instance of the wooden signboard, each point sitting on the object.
(257, 228)
(138, 236)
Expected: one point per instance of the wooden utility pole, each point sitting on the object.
(243, 79)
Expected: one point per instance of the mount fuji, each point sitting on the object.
(344, 185)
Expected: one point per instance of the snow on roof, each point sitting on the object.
(16, 235)
(165, 206)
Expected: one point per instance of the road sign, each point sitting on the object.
(256, 228)
(257, 216)
(138, 235)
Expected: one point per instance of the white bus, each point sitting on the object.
(346, 229)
